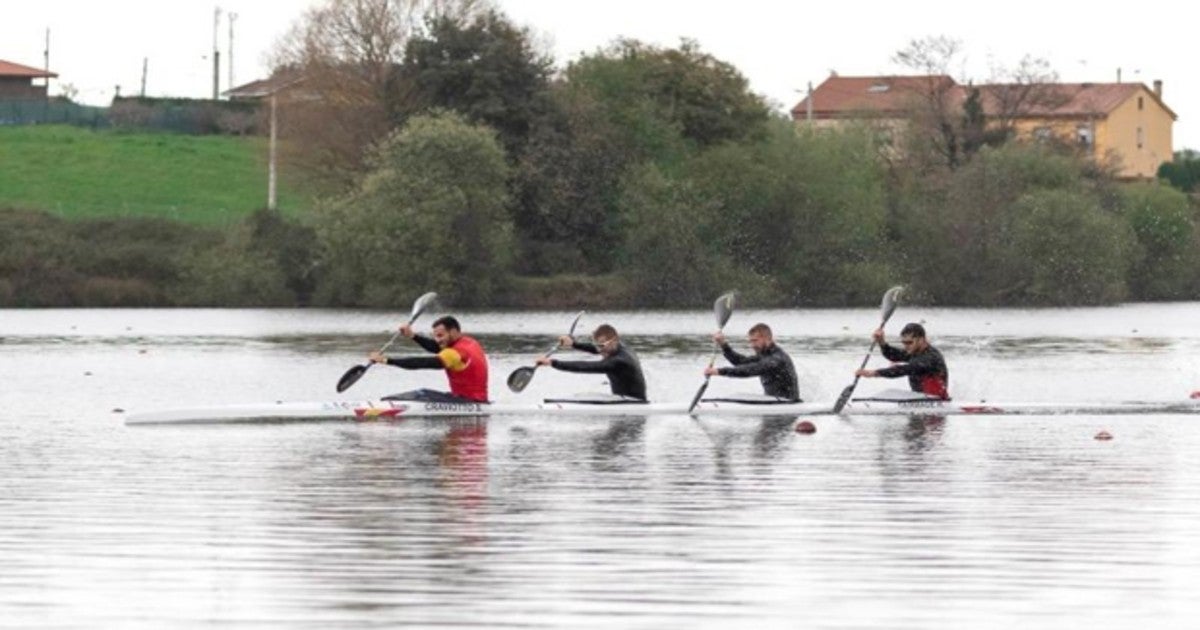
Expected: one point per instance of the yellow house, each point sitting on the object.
(1125, 123)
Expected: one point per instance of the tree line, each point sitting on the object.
(452, 155)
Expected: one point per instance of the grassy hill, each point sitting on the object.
(76, 172)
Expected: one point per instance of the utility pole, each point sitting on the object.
(271, 158)
(232, 18)
(216, 54)
(46, 55)
(145, 65)
(808, 115)
(46, 96)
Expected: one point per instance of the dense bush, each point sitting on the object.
(46, 261)
(1016, 225)
(805, 211)
(430, 213)
(1166, 264)
(666, 260)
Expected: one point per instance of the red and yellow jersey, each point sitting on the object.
(466, 367)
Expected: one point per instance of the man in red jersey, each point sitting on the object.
(459, 355)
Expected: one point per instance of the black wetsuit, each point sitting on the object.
(773, 367)
(926, 371)
(623, 369)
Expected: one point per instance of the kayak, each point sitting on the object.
(887, 403)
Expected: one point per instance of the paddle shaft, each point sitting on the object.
(517, 383)
(865, 360)
(712, 360)
(723, 309)
(353, 374)
(395, 336)
(849, 391)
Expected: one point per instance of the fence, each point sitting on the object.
(189, 116)
(43, 111)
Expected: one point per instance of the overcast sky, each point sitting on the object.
(779, 46)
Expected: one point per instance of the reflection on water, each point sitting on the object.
(921, 522)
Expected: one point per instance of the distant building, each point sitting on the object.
(1125, 121)
(262, 89)
(16, 82)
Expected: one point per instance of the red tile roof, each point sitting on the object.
(10, 69)
(1074, 99)
(843, 97)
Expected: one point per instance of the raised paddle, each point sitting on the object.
(722, 310)
(353, 374)
(520, 377)
(885, 311)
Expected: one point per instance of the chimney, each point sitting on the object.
(1158, 88)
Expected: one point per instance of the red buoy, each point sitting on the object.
(806, 427)
(1103, 435)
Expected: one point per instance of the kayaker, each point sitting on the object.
(769, 363)
(459, 355)
(618, 362)
(920, 362)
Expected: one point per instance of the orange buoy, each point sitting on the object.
(1103, 435)
(806, 427)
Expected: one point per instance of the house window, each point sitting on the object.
(1141, 137)
(878, 88)
(1085, 135)
(1141, 104)
(1042, 134)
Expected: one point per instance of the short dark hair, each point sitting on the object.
(761, 329)
(448, 322)
(606, 331)
(913, 330)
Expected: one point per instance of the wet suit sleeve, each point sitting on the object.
(750, 366)
(417, 363)
(603, 366)
(892, 353)
(921, 364)
(584, 346)
(428, 343)
(733, 356)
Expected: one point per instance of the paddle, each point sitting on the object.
(353, 374)
(520, 377)
(722, 310)
(885, 311)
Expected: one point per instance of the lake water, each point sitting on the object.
(541, 522)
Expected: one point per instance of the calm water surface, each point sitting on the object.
(540, 522)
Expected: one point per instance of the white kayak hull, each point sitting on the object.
(383, 409)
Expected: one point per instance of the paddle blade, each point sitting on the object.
(890, 299)
(422, 303)
(844, 398)
(351, 377)
(723, 308)
(571, 333)
(520, 377)
(699, 394)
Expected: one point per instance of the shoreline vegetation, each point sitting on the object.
(1144, 249)
(635, 177)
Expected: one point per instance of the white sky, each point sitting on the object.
(779, 45)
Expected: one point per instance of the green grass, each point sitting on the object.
(78, 173)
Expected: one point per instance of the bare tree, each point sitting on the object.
(937, 107)
(342, 59)
(954, 120)
(1017, 92)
